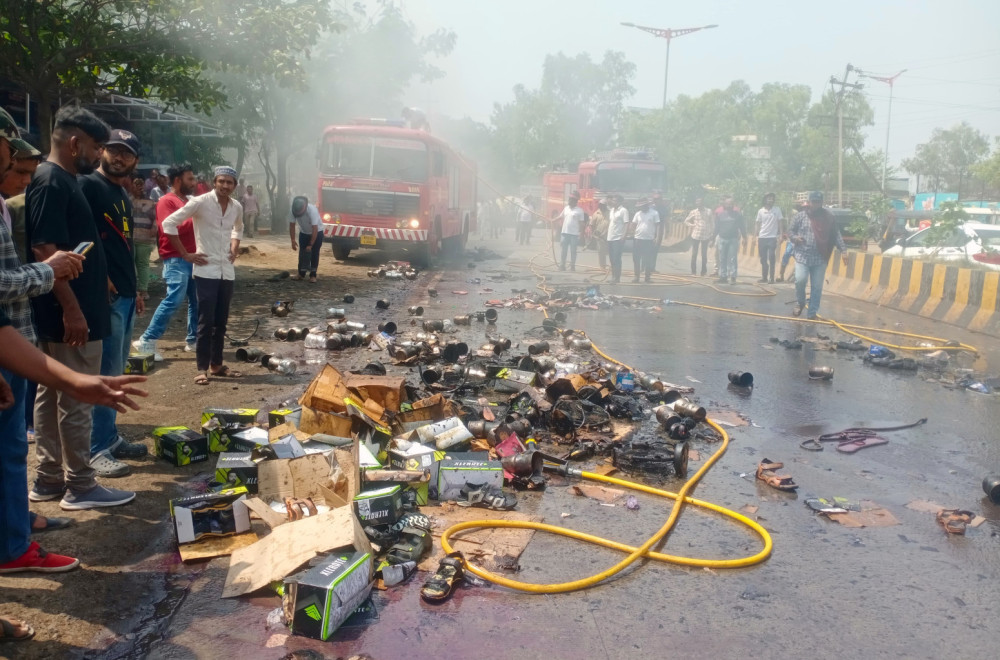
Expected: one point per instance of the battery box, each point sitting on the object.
(382, 506)
(179, 445)
(237, 469)
(317, 601)
(210, 515)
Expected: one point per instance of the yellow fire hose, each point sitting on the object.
(681, 497)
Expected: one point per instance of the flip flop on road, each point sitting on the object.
(226, 372)
(440, 586)
(766, 473)
(488, 497)
(955, 521)
(201, 379)
(852, 446)
(8, 628)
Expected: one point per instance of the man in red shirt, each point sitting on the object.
(176, 271)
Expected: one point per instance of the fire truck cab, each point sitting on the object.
(382, 185)
(631, 172)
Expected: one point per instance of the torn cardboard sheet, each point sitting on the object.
(925, 506)
(478, 545)
(317, 421)
(216, 547)
(870, 518)
(600, 493)
(326, 393)
(290, 546)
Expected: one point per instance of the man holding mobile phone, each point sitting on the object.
(75, 318)
(111, 208)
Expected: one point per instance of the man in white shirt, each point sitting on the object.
(617, 224)
(305, 217)
(251, 211)
(218, 227)
(769, 227)
(646, 221)
(572, 225)
(525, 220)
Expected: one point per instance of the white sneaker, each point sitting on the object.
(190, 348)
(147, 347)
(107, 465)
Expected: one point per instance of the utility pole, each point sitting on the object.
(668, 34)
(889, 80)
(840, 128)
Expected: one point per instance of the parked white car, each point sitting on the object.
(972, 243)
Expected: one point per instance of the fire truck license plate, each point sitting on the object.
(367, 239)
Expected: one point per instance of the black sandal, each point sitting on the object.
(440, 586)
(489, 497)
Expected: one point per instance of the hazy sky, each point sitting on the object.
(951, 50)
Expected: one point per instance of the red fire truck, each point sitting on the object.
(385, 186)
(631, 172)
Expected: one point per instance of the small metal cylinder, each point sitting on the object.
(991, 486)
(821, 373)
(462, 319)
(581, 344)
(382, 304)
(281, 334)
(685, 408)
(410, 273)
(453, 350)
(348, 298)
(336, 313)
(415, 310)
(491, 316)
(335, 342)
(433, 325)
(741, 378)
(538, 348)
(388, 327)
(297, 334)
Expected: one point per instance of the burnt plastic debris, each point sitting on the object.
(652, 456)
(821, 373)
(453, 350)
(741, 378)
(382, 304)
(991, 486)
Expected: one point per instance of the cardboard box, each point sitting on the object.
(415, 457)
(210, 515)
(141, 363)
(289, 546)
(383, 506)
(512, 380)
(284, 416)
(244, 416)
(237, 469)
(248, 439)
(220, 435)
(457, 469)
(179, 445)
(420, 492)
(318, 600)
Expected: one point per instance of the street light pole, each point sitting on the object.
(668, 34)
(889, 80)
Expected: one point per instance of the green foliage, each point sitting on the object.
(577, 109)
(153, 49)
(988, 171)
(951, 216)
(949, 156)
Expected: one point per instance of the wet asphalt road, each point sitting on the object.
(826, 592)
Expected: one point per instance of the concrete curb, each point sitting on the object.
(966, 297)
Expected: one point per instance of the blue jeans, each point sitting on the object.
(569, 242)
(728, 249)
(114, 353)
(815, 275)
(15, 528)
(180, 284)
(785, 258)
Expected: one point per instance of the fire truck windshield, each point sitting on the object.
(375, 157)
(630, 177)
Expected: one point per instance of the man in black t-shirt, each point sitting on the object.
(75, 318)
(112, 213)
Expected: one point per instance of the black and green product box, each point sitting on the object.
(179, 445)
(210, 515)
(220, 424)
(141, 363)
(284, 416)
(317, 601)
(451, 474)
(382, 506)
(237, 469)
(248, 439)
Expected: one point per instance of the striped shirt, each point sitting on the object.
(808, 253)
(19, 282)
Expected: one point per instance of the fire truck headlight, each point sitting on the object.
(414, 223)
(327, 217)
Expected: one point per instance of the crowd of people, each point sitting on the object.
(810, 239)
